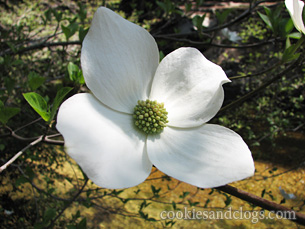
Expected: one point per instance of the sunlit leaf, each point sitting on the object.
(58, 99)
(38, 103)
(295, 35)
(75, 74)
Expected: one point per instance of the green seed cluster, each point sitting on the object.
(150, 116)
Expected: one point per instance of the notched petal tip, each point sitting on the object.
(190, 86)
(207, 156)
(119, 59)
(103, 142)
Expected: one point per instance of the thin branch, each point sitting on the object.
(3, 167)
(42, 138)
(68, 204)
(28, 124)
(265, 204)
(36, 187)
(263, 86)
(40, 46)
(237, 19)
(49, 44)
(54, 135)
(53, 142)
(14, 135)
(209, 44)
(45, 139)
(279, 174)
(257, 73)
(228, 24)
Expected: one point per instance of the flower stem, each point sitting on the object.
(3, 167)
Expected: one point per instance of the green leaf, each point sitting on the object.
(35, 80)
(58, 15)
(71, 227)
(66, 31)
(161, 5)
(228, 200)
(9, 83)
(168, 7)
(223, 15)
(184, 195)
(278, 10)
(289, 54)
(72, 69)
(191, 203)
(82, 224)
(48, 14)
(49, 214)
(21, 180)
(152, 219)
(12, 46)
(155, 190)
(291, 57)
(174, 205)
(69, 30)
(17, 62)
(116, 193)
(75, 74)
(268, 11)
(188, 7)
(197, 21)
(7, 113)
(266, 20)
(58, 99)
(288, 43)
(82, 33)
(161, 55)
(289, 26)
(82, 13)
(295, 35)
(29, 173)
(206, 203)
(38, 103)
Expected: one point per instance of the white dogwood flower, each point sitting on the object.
(295, 9)
(142, 113)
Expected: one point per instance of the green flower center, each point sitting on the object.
(150, 116)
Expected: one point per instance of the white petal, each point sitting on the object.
(206, 156)
(118, 59)
(190, 87)
(103, 142)
(295, 9)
